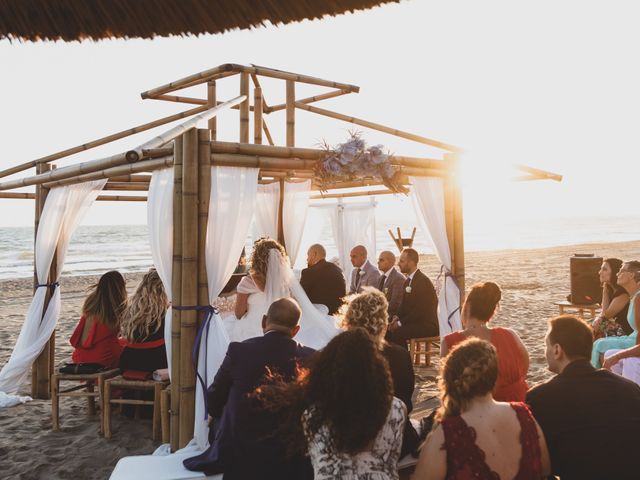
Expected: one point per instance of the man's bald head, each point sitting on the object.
(386, 261)
(315, 253)
(283, 315)
(358, 255)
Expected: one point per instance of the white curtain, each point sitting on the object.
(428, 201)
(231, 206)
(267, 201)
(160, 222)
(353, 224)
(294, 212)
(63, 211)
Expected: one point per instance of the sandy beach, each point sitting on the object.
(531, 281)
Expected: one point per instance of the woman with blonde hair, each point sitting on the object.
(477, 437)
(369, 310)
(95, 339)
(142, 326)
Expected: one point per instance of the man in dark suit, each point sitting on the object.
(590, 418)
(241, 446)
(323, 281)
(391, 282)
(418, 315)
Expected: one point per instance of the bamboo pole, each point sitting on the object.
(189, 81)
(142, 166)
(376, 126)
(367, 193)
(176, 293)
(127, 186)
(539, 174)
(302, 174)
(457, 258)
(211, 101)
(190, 100)
(266, 150)
(449, 212)
(102, 141)
(132, 156)
(283, 75)
(307, 100)
(188, 324)
(257, 115)
(256, 161)
(104, 198)
(281, 214)
(291, 113)
(244, 108)
(133, 178)
(267, 132)
(149, 153)
(256, 84)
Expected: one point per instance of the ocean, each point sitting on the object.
(96, 249)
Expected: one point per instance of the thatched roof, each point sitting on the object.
(70, 20)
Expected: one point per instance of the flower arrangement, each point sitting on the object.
(354, 159)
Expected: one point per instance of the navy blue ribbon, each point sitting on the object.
(203, 330)
(54, 284)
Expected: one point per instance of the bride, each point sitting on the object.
(270, 278)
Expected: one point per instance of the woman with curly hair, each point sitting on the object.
(477, 437)
(369, 310)
(270, 277)
(342, 411)
(513, 359)
(142, 326)
(95, 339)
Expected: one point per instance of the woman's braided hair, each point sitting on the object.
(469, 370)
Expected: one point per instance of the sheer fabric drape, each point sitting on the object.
(294, 213)
(63, 210)
(160, 222)
(231, 205)
(353, 224)
(268, 198)
(428, 201)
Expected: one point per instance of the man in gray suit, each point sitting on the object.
(391, 282)
(364, 273)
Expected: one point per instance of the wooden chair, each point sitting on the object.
(121, 383)
(403, 242)
(422, 346)
(90, 381)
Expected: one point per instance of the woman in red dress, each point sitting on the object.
(95, 339)
(513, 358)
(477, 437)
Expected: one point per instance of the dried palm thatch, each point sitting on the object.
(71, 20)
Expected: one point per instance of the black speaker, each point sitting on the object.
(585, 281)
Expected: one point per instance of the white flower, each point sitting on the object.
(408, 289)
(362, 272)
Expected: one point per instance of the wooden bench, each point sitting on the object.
(90, 381)
(419, 347)
(122, 383)
(566, 307)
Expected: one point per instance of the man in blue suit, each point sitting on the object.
(240, 443)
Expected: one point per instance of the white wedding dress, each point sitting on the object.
(316, 328)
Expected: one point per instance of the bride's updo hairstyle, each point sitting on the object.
(260, 257)
(469, 371)
(482, 300)
(367, 310)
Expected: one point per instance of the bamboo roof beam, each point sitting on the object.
(351, 194)
(102, 141)
(537, 174)
(256, 161)
(256, 84)
(190, 81)
(307, 100)
(127, 186)
(142, 166)
(190, 100)
(131, 178)
(381, 128)
(266, 150)
(100, 198)
(283, 75)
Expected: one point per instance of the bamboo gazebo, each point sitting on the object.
(191, 152)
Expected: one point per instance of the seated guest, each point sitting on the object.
(142, 326)
(239, 446)
(391, 282)
(418, 315)
(590, 418)
(351, 423)
(513, 359)
(364, 273)
(323, 281)
(628, 278)
(368, 310)
(95, 339)
(612, 322)
(477, 437)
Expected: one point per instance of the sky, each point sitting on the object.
(550, 84)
